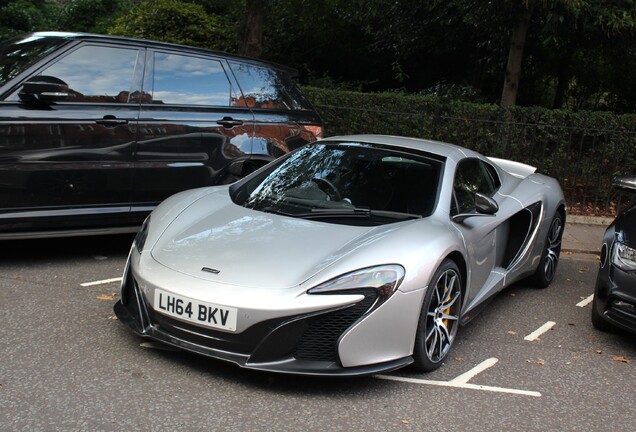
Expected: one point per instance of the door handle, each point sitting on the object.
(229, 122)
(111, 121)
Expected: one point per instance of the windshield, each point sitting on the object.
(19, 53)
(345, 181)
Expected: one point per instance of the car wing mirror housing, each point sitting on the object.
(43, 88)
(625, 183)
(484, 206)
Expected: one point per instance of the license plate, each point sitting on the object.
(195, 311)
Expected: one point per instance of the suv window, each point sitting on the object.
(96, 73)
(471, 176)
(188, 80)
(267, 88)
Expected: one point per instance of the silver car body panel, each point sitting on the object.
(266, 263)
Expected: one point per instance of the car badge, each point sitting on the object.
(211, 270)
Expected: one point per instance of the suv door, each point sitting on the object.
(190, 129)
(65, 156)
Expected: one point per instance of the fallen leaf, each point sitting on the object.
(567, 253)
(539, 362)
(599, 351)
(459, 359)
(108, 297)
(621, 359)
(405, 422)
(512, 332)
(113, 318)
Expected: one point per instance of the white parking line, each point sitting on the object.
(467, 376)
(462, 381)
(538, 332)
(101, 282)
(586, 302)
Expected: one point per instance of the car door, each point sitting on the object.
(481, 233)
(65, 160)
(191, 128)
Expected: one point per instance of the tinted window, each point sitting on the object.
(188, 80)
(267, 88)
(471, 177)
(96, 73)
(18, 54)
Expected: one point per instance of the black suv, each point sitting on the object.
(95, 130)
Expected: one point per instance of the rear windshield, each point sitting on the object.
(17, 54)
(268, 88)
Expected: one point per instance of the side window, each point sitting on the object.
(267, 88)
(186, 80)
(472, 176)
(96, 73)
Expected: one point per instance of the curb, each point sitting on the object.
(589, 220)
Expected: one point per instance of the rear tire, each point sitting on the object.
(545, 273)
(439, 318)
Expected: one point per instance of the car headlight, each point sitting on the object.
(624, 257)
(142, 235)
(385, 279)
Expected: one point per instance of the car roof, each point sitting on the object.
(156, 44)
(449, 151)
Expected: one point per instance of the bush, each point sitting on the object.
(583, 150)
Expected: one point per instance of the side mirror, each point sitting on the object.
(626, 183)
(43, 88)
(484, 206)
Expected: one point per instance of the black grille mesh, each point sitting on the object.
(320, 340)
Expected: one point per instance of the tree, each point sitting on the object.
(22, 16)
(177, 22)
(251, 43)
(93, 16)
(515, 55)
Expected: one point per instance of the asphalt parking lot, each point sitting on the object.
(531, 361)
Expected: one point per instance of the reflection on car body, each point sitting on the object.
(95, 130)
(614, 305)
(349, 256)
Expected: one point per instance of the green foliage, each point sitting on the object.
(177, 22)
(21, 16)
(93, 16)
(583, 150)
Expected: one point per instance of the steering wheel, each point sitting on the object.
(327, 187)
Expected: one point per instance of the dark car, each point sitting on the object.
(95, 130)
(614, 306)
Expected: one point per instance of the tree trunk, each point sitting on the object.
(251, 44)
(515, 57)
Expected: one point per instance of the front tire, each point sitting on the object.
(545, 273)
(439, 318)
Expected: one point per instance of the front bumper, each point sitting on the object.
(305, 344)
(615, 296)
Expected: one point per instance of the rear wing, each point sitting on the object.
(516, 169)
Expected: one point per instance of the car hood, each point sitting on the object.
(217, 240)
(626, 224)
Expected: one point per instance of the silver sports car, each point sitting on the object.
(349, 256)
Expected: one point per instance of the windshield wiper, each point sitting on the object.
(356, 212)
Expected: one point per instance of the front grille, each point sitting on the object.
(320, 340)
